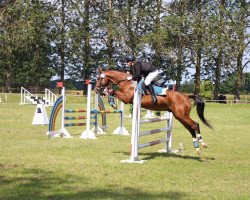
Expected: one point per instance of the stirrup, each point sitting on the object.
(153, 98)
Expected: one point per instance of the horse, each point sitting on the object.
(119, 84)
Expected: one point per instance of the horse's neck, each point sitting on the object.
(125, 92)
(117, 76)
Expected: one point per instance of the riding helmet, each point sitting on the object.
(129, 58)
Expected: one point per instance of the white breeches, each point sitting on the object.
(150, 77)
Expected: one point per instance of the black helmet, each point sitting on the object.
(129, 58)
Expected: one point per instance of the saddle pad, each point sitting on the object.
(160, 91)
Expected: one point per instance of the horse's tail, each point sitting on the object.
(200, 106)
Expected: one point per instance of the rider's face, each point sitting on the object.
(130, 63)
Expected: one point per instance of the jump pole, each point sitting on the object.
(135, 128)
(60, 104)
(97, 129)
(136, 121)
(88, 133)
(120, 130)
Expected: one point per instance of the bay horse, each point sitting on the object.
(177, 103)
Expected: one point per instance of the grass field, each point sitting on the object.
(35, 167)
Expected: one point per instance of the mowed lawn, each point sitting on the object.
(32, 166)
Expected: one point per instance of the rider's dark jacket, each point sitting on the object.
(141, 69)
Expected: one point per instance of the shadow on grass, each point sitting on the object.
(41, 184)
(151, 156)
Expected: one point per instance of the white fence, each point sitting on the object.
(28, 98)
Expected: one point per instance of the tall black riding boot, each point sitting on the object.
(152, 92)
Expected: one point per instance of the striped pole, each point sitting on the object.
(147, 144)
(74, 118)
(97, 129)
(154, 131)
(74, 111)
(152, 120)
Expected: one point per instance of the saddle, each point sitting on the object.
(159, 91)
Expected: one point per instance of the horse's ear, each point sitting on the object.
(99, 70)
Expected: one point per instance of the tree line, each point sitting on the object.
(71, 38)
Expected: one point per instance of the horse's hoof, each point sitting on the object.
(204, 144)
(198, 151)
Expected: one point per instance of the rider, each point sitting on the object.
(139, 68)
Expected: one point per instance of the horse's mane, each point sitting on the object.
(117, 74)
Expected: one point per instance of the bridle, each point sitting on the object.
(113, 82)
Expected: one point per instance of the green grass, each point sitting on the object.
(35, 167)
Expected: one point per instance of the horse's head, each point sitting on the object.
(108, 81)
(102, 83)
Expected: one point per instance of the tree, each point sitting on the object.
(207, 89)
(219, 46)
(241, 42)
(24, 44)
(177, 24)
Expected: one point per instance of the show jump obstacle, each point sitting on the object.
(29, 98)
(90, 114)
(136, 133)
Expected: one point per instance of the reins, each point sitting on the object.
(116, 83)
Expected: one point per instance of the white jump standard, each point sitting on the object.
(136, 133)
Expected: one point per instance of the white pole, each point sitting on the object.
(88, 134)
(21, 102)
(65, 133)
(88, 107)
(134, 138)
(63, 108)
(135, 129)
(169, 132)
(121, 130)
(121, 115)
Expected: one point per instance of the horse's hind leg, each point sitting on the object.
(199, 137)
(193, 128)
